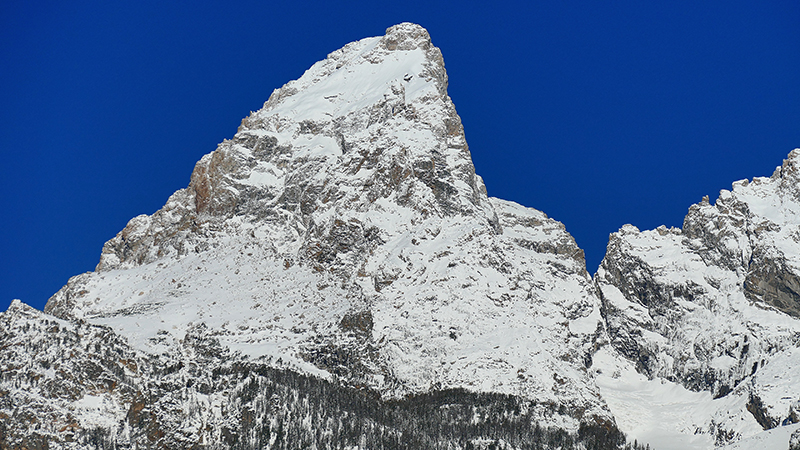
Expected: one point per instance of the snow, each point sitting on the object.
(668, 416)
(723, 362)
(251, 301)
(657, 412)
(351, 82)
(776, 438)
(777, 382)
(264, 175)
(98, 411)
(449, 319)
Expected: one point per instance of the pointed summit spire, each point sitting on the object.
(367, 131)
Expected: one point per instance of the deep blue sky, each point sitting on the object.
(599, 114)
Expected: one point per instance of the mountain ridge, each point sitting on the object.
(343, 233)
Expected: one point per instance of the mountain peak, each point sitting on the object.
(406, 36)
(346, 232)
(368, 132)
(790, 169)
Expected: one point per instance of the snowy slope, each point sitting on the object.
(777, 438)
(343, 231)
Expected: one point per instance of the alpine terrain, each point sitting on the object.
(335, 276)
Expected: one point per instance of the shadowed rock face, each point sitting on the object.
(773, 282)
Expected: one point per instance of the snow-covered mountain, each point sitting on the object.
(335, 275)
(714, 308)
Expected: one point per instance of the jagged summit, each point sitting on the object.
(368, 127)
